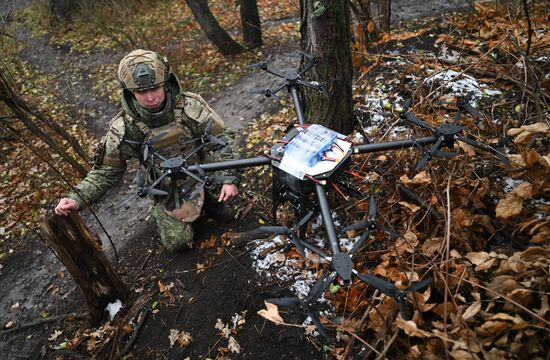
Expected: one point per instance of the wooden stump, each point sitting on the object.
(81, 253)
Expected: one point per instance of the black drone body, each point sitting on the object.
(307, 192)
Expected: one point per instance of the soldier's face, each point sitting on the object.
(150, 98)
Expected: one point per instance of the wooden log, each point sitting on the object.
(80, 251)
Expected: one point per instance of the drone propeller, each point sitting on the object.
(400, 296)
(152, 190)
(205, 138)
(262, 64)
(208, 137)
(147, 144)
(139, 178)
(267, 92)
(320, 286)
(310, 57)
(141, 191)
(311, 61)
(292, 233)
(502, 157)
(447, 133)
(319, 86)
(207, 181)
(298, 303)
(215, 179)
(370, 223)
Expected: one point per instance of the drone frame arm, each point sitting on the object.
(393, 145)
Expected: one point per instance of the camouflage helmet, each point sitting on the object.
(142, 69)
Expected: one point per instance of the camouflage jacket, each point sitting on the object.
(113, 151)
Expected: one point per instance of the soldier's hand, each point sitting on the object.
(65, 206)
(228, 192)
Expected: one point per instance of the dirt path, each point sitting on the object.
(35, 284)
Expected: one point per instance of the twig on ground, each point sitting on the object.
(530, 312)
(447, 257)
(361, 340)
(388, 345)
(44, 321)
(213, 265)
(237, 261)
(133, 338)
(146, 260)
(349, 346)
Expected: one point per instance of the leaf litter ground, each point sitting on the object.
(196, 301)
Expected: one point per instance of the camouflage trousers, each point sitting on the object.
(175, 235)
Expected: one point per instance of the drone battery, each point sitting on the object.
(309, 145)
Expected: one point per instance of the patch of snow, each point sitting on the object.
(346, 243)
(534, 203)
(452, 56)
(378, 105)
(317, 222)
(309, 320)
(462, 84)
(113, 308)
(358, 138)
(302, 287)
(540, 201)
(510, 184)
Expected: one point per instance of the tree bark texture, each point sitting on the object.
(250, 20)
(81, 253)
(384, 11)
(325, 33)
(366, 29)
(212, 28)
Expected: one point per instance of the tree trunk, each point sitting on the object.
(367, 30)
(250, 20)
(75, 246)
(325, 34)
(384, 11)
(212, 29)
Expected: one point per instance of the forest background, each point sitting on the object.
(478, 227)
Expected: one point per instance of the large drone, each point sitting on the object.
(306, 161)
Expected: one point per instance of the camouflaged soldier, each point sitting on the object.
(153, 103)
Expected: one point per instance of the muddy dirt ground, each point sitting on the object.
(35, 285)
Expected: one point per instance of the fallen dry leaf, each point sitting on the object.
(200, 268)
(409, 206)
(409, 327)
(233, 345)
(163, 288)
(472, 310)
(512, 204)
(422, 178)
(271, 313)
(55, 335)
(183, 338)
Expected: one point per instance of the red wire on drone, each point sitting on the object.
(312, 178)
(355, 174)
(338, 146)
(340, 191)
(273, 157)
(346, 140)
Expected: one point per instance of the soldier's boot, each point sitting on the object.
(219, 211)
